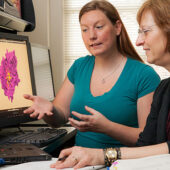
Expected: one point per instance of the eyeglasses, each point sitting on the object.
(145, 30)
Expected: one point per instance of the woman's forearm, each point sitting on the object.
(133, 153)
(125, 134)
(139, 152)
(57, 119)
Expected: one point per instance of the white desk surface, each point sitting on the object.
(44, 165)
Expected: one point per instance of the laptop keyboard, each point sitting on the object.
(40, 137)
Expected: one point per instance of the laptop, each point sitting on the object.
(20, 153)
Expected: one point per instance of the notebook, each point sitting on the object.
(157, 162)
(20, 153)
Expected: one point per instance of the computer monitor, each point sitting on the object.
(16, 79)
(43, 71)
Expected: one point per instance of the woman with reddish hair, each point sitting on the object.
(154, 35)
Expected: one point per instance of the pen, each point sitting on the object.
(62, 159)
(93, 167)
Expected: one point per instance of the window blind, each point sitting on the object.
(73, 43)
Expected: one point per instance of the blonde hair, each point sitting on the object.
(124, 44)
(160, 10)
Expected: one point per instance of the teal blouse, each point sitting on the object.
(118, 105)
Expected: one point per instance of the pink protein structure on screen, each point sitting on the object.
(8, 74)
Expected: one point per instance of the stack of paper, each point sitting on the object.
(43, 165)
(159, 162)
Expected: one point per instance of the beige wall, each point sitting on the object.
(48, 32)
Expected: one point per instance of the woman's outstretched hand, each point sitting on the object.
(40, 107)
(95, 122)
(78, 157)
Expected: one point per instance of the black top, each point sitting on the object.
(155, 129)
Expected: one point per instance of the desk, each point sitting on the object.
(71, 132)
(161, 162)
(41, 165)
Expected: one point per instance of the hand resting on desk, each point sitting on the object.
(77, 158)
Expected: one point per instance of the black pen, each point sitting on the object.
(62, 159)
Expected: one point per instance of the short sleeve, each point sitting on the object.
(71, 71)
(148, 81)
(75, 68)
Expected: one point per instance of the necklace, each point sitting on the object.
(112, 72)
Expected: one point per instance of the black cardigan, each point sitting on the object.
(155, 129)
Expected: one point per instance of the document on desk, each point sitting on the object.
(44, 165)
(159, 162)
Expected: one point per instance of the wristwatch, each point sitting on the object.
(111, 155)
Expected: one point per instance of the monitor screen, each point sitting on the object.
(16, 79)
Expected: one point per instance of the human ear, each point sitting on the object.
(118, 27)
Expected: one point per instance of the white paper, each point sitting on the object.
(159, 162)
(43, 165)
